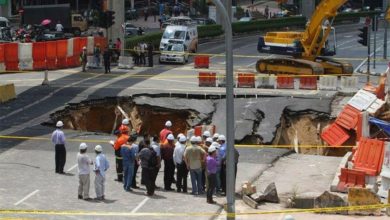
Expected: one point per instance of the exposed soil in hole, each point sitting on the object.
(148, 115)
(304, 130)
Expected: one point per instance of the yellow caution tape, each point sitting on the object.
(163, 214)
(236, 145)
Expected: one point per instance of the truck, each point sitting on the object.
(307, 52)
(73, 23)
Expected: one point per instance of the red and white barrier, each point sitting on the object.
(11, 56)
(25, 56)
(90, 45)
(2, 64)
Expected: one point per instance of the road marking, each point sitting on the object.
(365, 60)
(74, 166)
(26, 197)
(347, 47)
(140, 205)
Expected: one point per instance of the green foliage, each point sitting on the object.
(209, 30)
(259, 25)
(345, 16)
(153, 38)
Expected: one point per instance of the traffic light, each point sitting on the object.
(110, 18)
(363, 36)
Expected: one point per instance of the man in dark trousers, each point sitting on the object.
(150, 54)
(122, 137)
(107, 60)
(58, 139)
(167, 149)
(149, 163)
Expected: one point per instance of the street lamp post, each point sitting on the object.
(230, 166)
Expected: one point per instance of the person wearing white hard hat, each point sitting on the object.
(169, 167)
(83, 165)
(193, 156)
(165, 132)
(205, 146)
(182, 172)
(83, 58)
(215, 137)
(124, 126)
(101, 166)
(205, 135)
(211, 166)
(129, 152)
(58, 139)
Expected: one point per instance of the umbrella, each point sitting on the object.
(46, 22)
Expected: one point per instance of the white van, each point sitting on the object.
(187, 35)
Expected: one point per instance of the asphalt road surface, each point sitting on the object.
(28, 180)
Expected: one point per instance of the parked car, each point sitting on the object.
(203, 21)
(245, 19)
(175, 53)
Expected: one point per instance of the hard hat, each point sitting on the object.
(84, 48)
(168, 124)
(59, 124)
(170, 137)
(206, 133)
(193, 139)
(210, 140)
(212, 149)
(288, 217)
(182, 138)
(216, 145)
(98, 148)
(125, 121)
(179, 135)
(221, 138)
(112, 142)
(83, 146)
(198, 139)
(216, 135)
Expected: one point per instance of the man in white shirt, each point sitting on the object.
(59, 27)
(101, 166)
(178, 159)
(83, 163)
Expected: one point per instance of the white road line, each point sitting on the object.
(365, 60)
(26, 197)
(140, 205)
(74, 166)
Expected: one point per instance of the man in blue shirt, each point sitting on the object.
(101, 166)
(58, 139)
(128, 152)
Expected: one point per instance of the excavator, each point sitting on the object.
(304, 53)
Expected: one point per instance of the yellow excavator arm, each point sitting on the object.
(314, 38)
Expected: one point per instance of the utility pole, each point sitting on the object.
(385, 40)
(375, 29)
(230, 123)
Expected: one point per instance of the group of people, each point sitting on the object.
(140, 51)
(204, 158)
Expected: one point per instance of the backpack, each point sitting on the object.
(153, 162)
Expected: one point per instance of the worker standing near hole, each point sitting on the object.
(165, 132)
(169, 167)
(122, 137)
(58, 139)
(124, 125)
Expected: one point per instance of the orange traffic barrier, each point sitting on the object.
(369, 156)
(51, 55)
(201, 61)
(309, 82)
(62, 51)
(11, 56)
(283, 82)
(246, 80)
(39, 55)
(198, 130)
(378, 91)
(334, 135)
(359, 126)
(102, 41)
(83, 43)
(77, 50)
(351, 178)
(348, 118)
(207, 79)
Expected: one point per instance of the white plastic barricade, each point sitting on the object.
(328, 83)
(90, 44)
(125, 62)
(221, 78)
(349, 84)
(2, 67)
(70, 48)
(385, 174)
(266, 81)
(25, 56)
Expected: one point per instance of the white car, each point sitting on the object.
(174, 53)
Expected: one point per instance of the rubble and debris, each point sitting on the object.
(248, 189)
(270, 194)
(328, 200)
(249, 201)
(361, 197)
